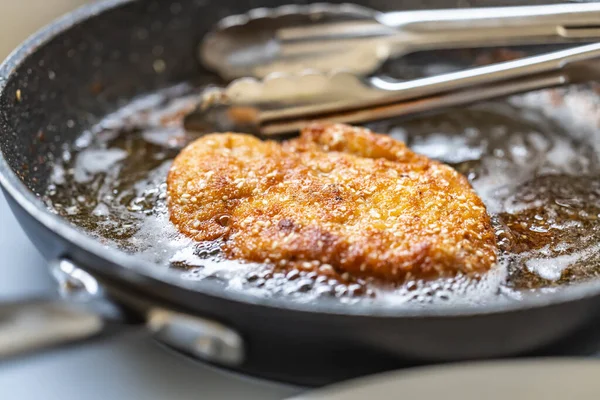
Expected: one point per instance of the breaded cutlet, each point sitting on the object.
(337, 198)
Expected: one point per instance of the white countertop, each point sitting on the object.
(131, 366)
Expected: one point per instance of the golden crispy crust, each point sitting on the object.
(337, 197)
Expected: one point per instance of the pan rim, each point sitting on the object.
(132, 270)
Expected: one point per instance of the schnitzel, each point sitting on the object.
(338, 199)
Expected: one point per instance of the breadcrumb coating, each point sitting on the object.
(338, 198)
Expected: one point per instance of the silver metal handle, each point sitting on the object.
(470, 78)
(384, 99)
(559, 19)
(505, 71)
(32, 325)
(203, 338)
(436, 29)
(572, 14)
(412, 107)
(402, 32)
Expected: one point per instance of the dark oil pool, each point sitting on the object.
(540, 184)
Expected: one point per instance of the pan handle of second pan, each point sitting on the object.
(86, 312)
(31, 325)
(37, 324)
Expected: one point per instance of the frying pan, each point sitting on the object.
(111, 46)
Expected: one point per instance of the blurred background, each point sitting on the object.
(20, 18)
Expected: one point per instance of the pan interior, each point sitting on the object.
(99, 159)
(538, 180)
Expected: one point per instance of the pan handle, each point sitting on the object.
(35, 324)
(32, 325)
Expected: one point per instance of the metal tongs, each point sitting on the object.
(285, 103)
(327, 37)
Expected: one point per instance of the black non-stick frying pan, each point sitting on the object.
(88, 64)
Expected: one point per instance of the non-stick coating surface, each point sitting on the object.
(99, 63)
